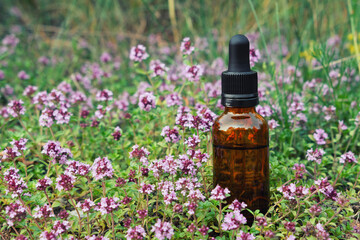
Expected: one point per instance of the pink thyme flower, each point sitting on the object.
(138, 53)
(299, 170)
(193, 73)
(30, 90)
(117, 133)
(138, 152)
(65, 182)
(233, 220)
(158, 68)
(146, 188)
(77, 168)
(219, 193)
(93, 237)
(342, 125)
(2, 75)
(264, 111)
(23, 75)
(290, 226)
(44, 60)
(254, 56)
(43, 212)
(329, 112)
(245, 236)
(105, 57)
(142, 213)
(86, 205)
(45, 235)
(60, 227)
(170, 165)
(107, 205)
(192, 142)
(327, 189)
(162, 230)
(320, 136)
(10, 153)
(236, 205)
(186, 48)
(348, 157)
(315, 155)
(147, 101)
(104, 95)
(135, 233)
(16, 108)
(102, 168)
(21, 237)
(273, 124)
(15, 213)
(15, 183)
(44, 183)
(171, 135)
(173, 99)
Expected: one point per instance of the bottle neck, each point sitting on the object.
(240, 110)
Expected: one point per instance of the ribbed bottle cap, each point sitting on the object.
(239, 83)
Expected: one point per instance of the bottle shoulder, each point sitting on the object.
(241, 128)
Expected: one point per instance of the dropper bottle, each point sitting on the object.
(241, 135)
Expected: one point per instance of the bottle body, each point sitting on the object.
(241, 156)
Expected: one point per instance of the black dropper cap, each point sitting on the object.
(239, 82)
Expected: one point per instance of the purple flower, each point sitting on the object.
(102, 168)
(86, 205)
(138, 152)
(15, 184)
(290, 226)
(173, 99)
(193, 73)
(135, 233)
(23, 75)
(77, 168)
(348, 157)
(63, 214)
(44, 183)
(138, 53)
(162, 230)
(60, 227)
(233, 220)
(65, 182)
(186, 48)
(245, 236)
(93, 237)
(21, 237)
(273, 124)
(104, 95)
(142, 213)
(117, 133)
(342, 126)
(45, 235)
(171, 135)
(192, 142)
(44, 60)
(157, 68)
(236, 205)
(299, 170)
(315, 155)
(16, 213)
(30, 90)
(2, 75)
(219, 193)
(254, 56)
(107, 205)
(329, 112)
(146, 188)
(327, 189)
(43, 212)
(320, 136)
(16, 108)
(147, 101)
(105, 57)
(264, 111)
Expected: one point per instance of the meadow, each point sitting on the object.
(107, 107)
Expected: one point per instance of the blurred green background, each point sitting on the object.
(134, 20)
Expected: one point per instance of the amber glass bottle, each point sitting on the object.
(241, 135)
